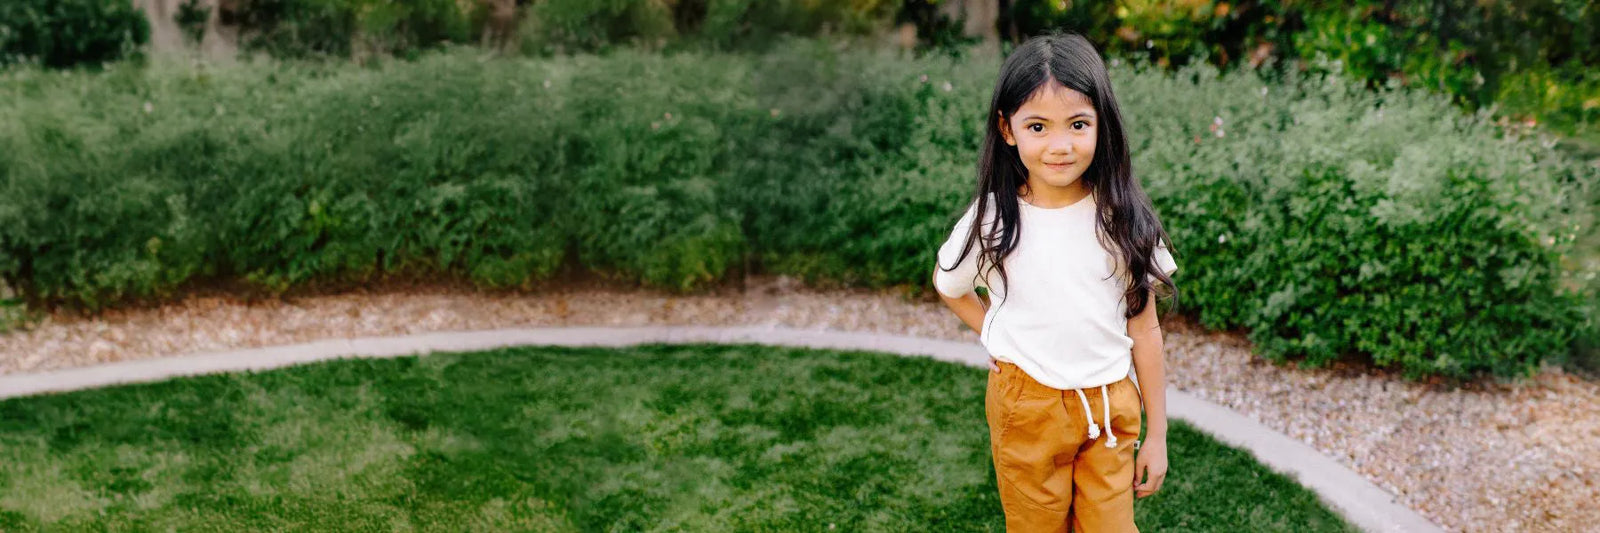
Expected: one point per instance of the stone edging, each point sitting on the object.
(1352, 496)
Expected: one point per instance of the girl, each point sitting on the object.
(1077, 295)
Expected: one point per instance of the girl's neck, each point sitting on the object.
(1048, 197)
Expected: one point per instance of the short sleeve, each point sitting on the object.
(963, 278)
(1164, 261)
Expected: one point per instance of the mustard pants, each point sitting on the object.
(1051, 473)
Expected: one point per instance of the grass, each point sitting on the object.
(655, 437)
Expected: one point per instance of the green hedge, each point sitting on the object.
(1331, 220)
(63, 33)
(1326, 219)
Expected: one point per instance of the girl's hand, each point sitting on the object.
(993, 367)
(1151, 463)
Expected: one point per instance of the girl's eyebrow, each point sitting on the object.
(1079, 114)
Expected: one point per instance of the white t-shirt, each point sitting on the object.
(1062, 321)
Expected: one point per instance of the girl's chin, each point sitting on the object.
(1060, 180)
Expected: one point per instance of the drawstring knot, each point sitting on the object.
(1094, 429)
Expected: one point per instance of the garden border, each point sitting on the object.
(1354, 497)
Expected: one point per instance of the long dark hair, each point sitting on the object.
(1126, 223)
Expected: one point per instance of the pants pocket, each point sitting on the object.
(989, 399)
(997, 404)
(1030, 442)
(1127, 410)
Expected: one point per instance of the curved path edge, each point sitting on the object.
(1354, 497)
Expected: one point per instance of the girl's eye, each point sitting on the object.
(1041, 126)
(1085, 124)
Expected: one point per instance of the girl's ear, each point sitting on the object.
(1005, 128)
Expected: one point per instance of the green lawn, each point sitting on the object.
(659, 437)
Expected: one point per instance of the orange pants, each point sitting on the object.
(1050, 472)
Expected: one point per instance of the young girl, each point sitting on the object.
(1080, 255)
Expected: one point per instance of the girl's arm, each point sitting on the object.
(969, 308)
(1150, 465)
(1145, 330)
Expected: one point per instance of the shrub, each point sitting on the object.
(556, 26)
(1330, 220)
(65, 33)
(311, 28)
(1326, 219)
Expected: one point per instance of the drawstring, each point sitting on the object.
(1094, 429)
(1105, 402)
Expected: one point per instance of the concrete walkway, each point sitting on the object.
(1358, 500)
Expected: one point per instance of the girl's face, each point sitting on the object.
(1054, 132)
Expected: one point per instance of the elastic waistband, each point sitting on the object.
(1007, 368)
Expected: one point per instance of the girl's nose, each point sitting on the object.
(1061, 144)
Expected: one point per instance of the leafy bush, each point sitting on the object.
(308, 28)
(64, 33)
(1326, 219)
(1330, 220)
(579, 25)
(650, 133)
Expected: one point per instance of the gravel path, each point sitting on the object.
(1483, 457)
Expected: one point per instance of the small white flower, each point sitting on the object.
(148, 108)
(1219, 132)
(1222, 238)
(923, 78)
(547, 84)
(1216, 120)
(1149, 43)
(947, 87)
(1263, 91)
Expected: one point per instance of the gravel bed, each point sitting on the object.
(1486, 456)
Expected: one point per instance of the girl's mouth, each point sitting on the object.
(1058, 168)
